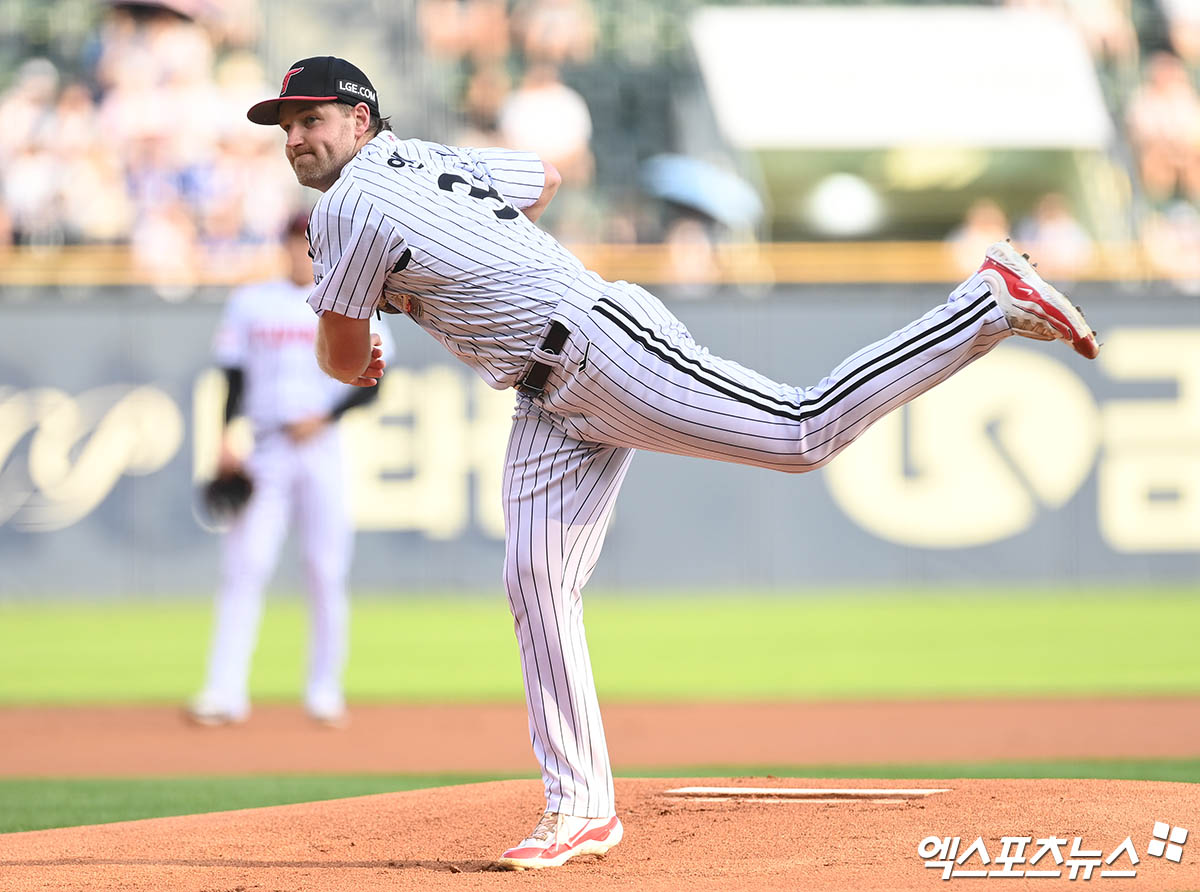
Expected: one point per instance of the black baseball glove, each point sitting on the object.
(226, 495)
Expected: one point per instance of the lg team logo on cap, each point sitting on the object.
(354, 89)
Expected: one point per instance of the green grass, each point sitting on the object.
(726, 646)
(41, 804)
(651, 647)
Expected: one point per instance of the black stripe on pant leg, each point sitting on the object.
(652, 364)
(638, 414)
(654, 434)
(942, 339)
(899, 340)
(845, 382)
(647, 335)
(901, 399)
(846, 411)
(657, 433)
(802, 416)
(731, 452)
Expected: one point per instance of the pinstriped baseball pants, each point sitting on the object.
(631, 377)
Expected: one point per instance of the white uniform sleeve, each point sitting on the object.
(354, 248)
(230, 339)
(518, 176)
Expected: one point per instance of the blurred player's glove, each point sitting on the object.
(226, 495)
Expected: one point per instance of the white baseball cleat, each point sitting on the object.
(327, 706)
(206, 709)
(329, 716)
(558, 838)
(1034, 308)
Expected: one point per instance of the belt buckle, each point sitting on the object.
(551, 344)
(533, 390)
(529, 390)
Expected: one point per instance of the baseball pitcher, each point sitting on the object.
(447, 236)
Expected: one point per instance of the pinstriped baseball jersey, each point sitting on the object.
(438, 229)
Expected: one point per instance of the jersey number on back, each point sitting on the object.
(447, 182)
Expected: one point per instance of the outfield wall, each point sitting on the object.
(1032, 465)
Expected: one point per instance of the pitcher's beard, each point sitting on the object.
(311, 173)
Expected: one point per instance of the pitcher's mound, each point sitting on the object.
(856, 835)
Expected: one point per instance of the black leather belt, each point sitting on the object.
(533, 382)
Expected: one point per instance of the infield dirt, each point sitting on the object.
(445, 838)
(494, 739)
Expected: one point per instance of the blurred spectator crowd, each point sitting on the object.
(143, 140)
(1147, 56)
(147, 142)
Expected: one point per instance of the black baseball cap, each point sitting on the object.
(318, 79)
